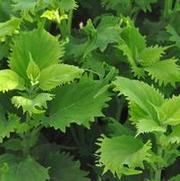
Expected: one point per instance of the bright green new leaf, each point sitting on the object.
(77, 103)
(9, 27)
(129, 153)
(33, 71)
(58, 74)
(62, 167)
(9, 80)
(170, 111)
(54, 15)
(36, 105)
(45, 50)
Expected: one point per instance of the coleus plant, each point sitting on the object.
(64, 82)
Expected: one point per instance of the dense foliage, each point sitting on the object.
(89, 90)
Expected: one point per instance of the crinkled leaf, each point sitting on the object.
(64, 168)
(143, 122)
(8, 126)
(134, 40)
(35, 105)
(9, 27)
(158, 71)
(170, 111)
(144, 96)
(26, 7)
(27, 169)
(77, 103)
(10, 80)
(148, 125)
(109, 25)
(151, 55)
(97, 37)
(58, 74)
(129, 152)
(44, 49)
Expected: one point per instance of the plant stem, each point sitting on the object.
(167, 8)
(158, 168)
(157, 175)
(70, 22)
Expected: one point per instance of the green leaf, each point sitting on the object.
(9, 27)
(133, 39)
(68, 5)
(170, 111)
(145, 4)
(109, 25)
(174, 137)
(33, 71)
(36, 105)
(24, 4)
(9, 80)
(129, 152)
(64, 168)
(133, 43)
(144, 96)
(174, 35)
(44, 49)
(8, 126)
(122, 7)
(27, 169)
(30, 169)
(58, 74)
(158, 71)
(77, 103)
(175, 178)
(144, 102)
(148, 126)
(13, 144)
(97, 37)
(151, 55)
(117, 129)
(26, 8)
